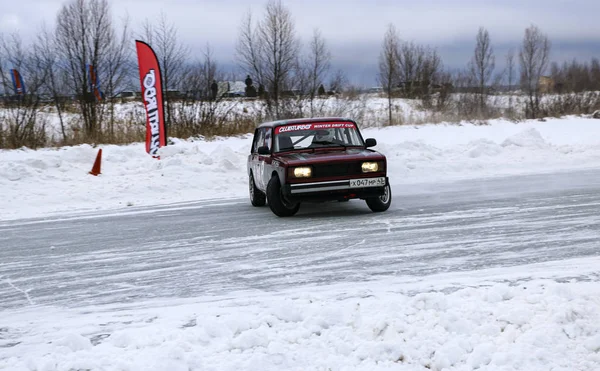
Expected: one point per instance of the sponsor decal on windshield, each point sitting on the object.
(317, 126)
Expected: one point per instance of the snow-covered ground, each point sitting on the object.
(531, 317)
(46, 181)
(497, 319)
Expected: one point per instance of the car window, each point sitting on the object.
(259, 139)
(268, 135)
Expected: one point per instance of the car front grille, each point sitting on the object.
(331, 170)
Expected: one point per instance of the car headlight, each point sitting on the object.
(369, 167)
(303, 172)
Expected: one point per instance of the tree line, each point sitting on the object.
(410, 70)
(416, 71)
(285, 72)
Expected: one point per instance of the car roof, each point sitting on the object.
(272, 124)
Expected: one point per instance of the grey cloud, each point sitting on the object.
(354, 28)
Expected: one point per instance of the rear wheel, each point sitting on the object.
(277, 202)
(381, 203)
(257, 197)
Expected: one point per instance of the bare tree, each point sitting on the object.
(533, 58)
(466, 101)
(5, 87)
(269, 50)
(308, 78)
(419, 70)
(389, 66)
(280, 47)
(248, 52)
(510, 77)
(209, 72)
(117, 70)
(444, 80)
(20, 122)
(198, 112)
(338, 82)
(85, 35)
(318, 63)
(428, 74)
(410, 59)
(293, 102)
(579, 80)
(482, 66)
(56, 81)
(79, 39)
(162, 36)
(595, 73)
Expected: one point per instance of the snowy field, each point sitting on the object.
(48, 181)
(543, 316)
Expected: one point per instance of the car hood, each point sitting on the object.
(333, 155)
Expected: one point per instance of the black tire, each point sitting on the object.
(257, 197)
(381, 203)
(278, 205)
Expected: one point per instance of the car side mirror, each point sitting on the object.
(264, 150)
(370, 142)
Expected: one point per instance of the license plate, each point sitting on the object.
(367, 182)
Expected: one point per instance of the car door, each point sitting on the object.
(265, 161)
(255, 159)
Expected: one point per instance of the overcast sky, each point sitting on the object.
(354, 29)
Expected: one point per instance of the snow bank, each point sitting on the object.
(46, 181)
(535, 325)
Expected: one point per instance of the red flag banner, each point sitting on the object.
(17, 81)
(152, 95)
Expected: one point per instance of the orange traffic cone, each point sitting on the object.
(96, 168)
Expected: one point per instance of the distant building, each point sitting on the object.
(128, 95)
(231, 89)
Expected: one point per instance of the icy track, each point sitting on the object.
(497, 274)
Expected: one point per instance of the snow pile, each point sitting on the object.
(38, 183)
(530, 138)
(537, 325)
(484, 147)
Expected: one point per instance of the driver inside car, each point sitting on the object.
(324, 137)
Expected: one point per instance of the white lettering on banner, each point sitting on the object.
(334, 125)
(283, 129)
(152, 111)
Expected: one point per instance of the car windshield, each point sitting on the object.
(318, 135)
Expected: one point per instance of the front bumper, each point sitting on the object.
(334, 190)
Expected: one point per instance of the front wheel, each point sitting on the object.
(279, 206)
(381, 203)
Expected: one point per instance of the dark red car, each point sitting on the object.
(314, 160)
